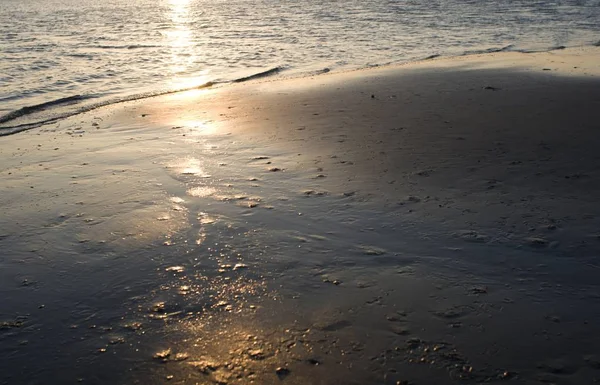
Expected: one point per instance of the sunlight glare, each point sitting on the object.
(180, 39)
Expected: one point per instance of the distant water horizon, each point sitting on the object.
(60, 58)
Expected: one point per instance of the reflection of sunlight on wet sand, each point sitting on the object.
(125, 206)
(229, 347)
(229, 343)
(189, 166)
(206, 219)
(186, 114)
(197, 127)
(201, 191)
(209, 311)
(138, 227)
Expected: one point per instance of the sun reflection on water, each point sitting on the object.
(181, 42)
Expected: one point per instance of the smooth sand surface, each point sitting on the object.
(434, 223)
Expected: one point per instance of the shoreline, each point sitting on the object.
(443, 60)
(433, 223)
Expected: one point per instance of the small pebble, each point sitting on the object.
(282, 372)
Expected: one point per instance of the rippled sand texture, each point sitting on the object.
(431, 224)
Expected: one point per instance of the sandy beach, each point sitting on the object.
(433, 223)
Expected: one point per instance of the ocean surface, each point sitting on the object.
(60, 57)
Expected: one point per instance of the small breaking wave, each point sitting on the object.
(37, 115)
(506, 48)
(432, 56)
(263, 74)
(30, 117)
(41, 107)
(554, 48)
(49, 112)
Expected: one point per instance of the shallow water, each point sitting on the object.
(110, 50)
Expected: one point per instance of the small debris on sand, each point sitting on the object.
(371, 250)
(162, 355)
(239, 266)
(257, 354)
(16, 323)
(181, 357)
(175, 269)
(314, 361)
(334, 281)
(536, 241)
(479, 290)
(282, 372)
(204, 366)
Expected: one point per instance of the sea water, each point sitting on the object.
(73, 55)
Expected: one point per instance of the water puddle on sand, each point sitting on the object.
(228, 272)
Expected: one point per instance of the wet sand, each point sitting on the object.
(435, 223)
